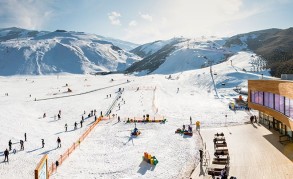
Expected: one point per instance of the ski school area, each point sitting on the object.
(112, 126)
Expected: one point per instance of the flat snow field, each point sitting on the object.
(109, 151)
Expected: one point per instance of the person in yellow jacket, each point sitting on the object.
(197, 124)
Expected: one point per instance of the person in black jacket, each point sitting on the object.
(58, 142)
(6, 153)
(10, 145)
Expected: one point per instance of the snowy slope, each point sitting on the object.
(109, 151)
(55, 52)
(180, 54)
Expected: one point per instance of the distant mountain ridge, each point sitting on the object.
(274, 45)
(41, 52)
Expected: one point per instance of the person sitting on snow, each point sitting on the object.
(189, 128)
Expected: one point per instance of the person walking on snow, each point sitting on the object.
(10, 145)
(21, 145)
(81, 123)
(75, 125)
(6, 153)
(190, 120)
(66, 127)
(58, 142)
(43, 143)
(25, 137)
(118, 118)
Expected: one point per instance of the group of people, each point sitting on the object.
(21, 142)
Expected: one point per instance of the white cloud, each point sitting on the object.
(114, 18)
(132, 23)
(146, 17)
(25, 14)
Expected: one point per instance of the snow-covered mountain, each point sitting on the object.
(180, 54)
(41, 52)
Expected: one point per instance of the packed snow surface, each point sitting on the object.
(109, 151)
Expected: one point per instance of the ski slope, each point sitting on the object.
(109, 151)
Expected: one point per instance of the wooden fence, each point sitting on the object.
(66, 154)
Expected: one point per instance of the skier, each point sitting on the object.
(81, 123)
(9, 144)
(6, 153)
(66, 127)
(24, 136)
(21, 145)
(58, 142)
(43, 143)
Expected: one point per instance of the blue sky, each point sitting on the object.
(142, 21)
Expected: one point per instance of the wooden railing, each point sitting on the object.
(67, 153)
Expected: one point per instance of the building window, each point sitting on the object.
(266, 96)
(271, 100)
(291, 109)
(282, 104)
(260, 98)
(287, 106)
(277, 102)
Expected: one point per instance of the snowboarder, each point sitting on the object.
(58, 142)
(43, 143)
(9, 144)
(24, 136)
(66, 127)
(118, 118)
(21, 145)
(6, 153)
(81, 123)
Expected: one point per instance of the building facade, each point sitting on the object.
(274, 101)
